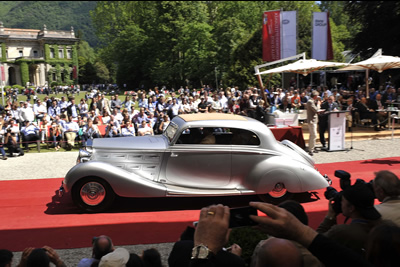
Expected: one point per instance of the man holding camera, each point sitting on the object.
(387, 190)
(356, 203)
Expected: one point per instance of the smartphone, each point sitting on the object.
(239, 217)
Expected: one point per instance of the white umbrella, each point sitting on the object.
(304, 66)
(377, 63)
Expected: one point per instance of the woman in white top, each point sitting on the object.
(164, 124)
(83, 108)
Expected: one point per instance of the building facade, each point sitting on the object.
(32, 57)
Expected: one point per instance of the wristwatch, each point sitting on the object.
(201, 252)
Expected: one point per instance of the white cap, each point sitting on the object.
(117, 258)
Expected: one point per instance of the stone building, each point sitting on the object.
(38, 57)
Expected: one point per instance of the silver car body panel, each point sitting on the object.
(157, 166)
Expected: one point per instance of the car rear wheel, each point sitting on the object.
(277, 195)
(93, 194)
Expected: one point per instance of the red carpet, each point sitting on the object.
(32, 214)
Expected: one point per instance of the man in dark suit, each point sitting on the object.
(376, 105)
(367, 113)
(328, 106)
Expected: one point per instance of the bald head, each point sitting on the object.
(278, 252)
(386, 184)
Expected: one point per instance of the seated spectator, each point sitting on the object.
(55, 132)
(112, 130)
(118, 258)
(40, 257)
(12, 144)
(43, 129)
(145, 129)
(285, 105)
(29, 133)
(6, 257)
(106, 117)
(387, 190)
(101, 246)
(128, 129)
(70, 131)
(89, 131)
(366, 113)
(357, 204)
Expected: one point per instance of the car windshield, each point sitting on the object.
(170, 131)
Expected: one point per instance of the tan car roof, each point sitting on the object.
(211, 116)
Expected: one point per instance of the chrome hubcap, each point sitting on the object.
(93, 193)
(278, 191)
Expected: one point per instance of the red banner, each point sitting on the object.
(74, 74)
(271, 36)
(3, 75)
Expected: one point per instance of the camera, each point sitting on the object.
(345, 182)
(240, 217)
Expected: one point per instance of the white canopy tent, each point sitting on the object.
(377, 62)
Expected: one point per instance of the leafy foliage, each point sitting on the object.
(57, 15)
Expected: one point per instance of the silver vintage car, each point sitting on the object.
(206, 154)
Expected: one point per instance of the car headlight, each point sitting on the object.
(84, 153)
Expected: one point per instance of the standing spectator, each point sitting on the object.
(164, 124)
(128, 104)
(101, 246)
(63, 104)
(83, 108)
(175, 108)
(327, 106)
(312, 121)
(104, 103)
(54, 110)
(116, 103)
(72, 109)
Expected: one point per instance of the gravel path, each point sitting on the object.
(57, 164)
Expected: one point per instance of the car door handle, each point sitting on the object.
(174, 155)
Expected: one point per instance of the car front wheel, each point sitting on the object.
(93, 194)
(277, 195)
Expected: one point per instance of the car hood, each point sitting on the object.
(158, 142)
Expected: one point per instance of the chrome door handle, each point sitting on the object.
(174, 155)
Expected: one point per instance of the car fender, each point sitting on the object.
(124, 183)
(296, 176)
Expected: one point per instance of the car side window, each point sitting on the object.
(218, 136)
(244, 137)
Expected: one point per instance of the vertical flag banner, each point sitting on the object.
(3, 75)
(74, 73)
(271, 36)
(289, 33)
(321, 37)
(279, 36)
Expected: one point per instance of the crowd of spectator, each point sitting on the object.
(65, 122)
(372, 238)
